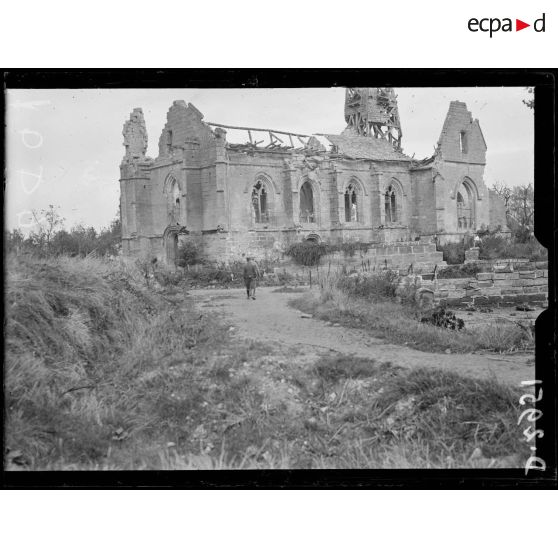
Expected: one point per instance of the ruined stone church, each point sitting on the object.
(260, 196)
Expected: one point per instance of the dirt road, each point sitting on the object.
(269, 318)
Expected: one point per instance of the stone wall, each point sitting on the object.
(215, 180)
(505, 285)
(423, 257)
(461, 159)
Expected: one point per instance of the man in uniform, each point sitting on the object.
(251, 274)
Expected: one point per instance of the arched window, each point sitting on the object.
(390, 204)
(463, 142)
(351, 204)
(307, 204)
(169, 141)
(465, 207)
(175, 196)
(259, 203)
(174, 199)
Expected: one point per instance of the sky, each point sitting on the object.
(64, 146)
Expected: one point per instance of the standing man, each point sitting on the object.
(251, 274)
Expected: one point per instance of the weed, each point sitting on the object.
(103, 373)
(370, 286)
(497, 247)
(505, 336)
(444, 318)
(469, 269)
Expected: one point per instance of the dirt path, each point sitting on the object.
(269, 318)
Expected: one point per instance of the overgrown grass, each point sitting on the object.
(374, 287)
(103, 373)
(423, 418)
(400, 323)
(495, 247)
(386, 320)
(469, 269)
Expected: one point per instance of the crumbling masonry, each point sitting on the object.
(260, 196)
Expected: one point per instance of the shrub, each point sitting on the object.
(444, 318)
(469, 269)
(371, 287)
(307, 253)
(188, 254)
(497, 247)
(49, 239)
(454, 252)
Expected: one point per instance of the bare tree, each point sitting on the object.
(520, 208)
(504, 191)
(522, 205)
(47, 221)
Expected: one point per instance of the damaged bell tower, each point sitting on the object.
(372, 111)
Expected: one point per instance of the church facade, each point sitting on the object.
(258, 197)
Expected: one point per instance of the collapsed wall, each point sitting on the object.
(523, 282)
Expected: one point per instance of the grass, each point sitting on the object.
(400, 323)
(103, 373)
(469, 269)
(494, 247)
(422, 418)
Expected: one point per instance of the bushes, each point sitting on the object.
(469, 269)
(78, 241)
(494, 246)
(370, 287)
(188, 254)
(497, 247)
(208, 275)
(444, 318)
(454, 252)
(309, 253)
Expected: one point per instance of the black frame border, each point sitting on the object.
(544, 81)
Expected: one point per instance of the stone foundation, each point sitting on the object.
(503, 286)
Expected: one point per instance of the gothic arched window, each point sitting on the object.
(307, 204)
(174, 199)
(465, 208)
(351, 204)
(390, 204)
(259, 203)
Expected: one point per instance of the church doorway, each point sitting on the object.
(171, 242)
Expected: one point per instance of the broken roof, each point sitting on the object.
(365, 147)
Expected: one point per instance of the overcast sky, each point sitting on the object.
(72, 139)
